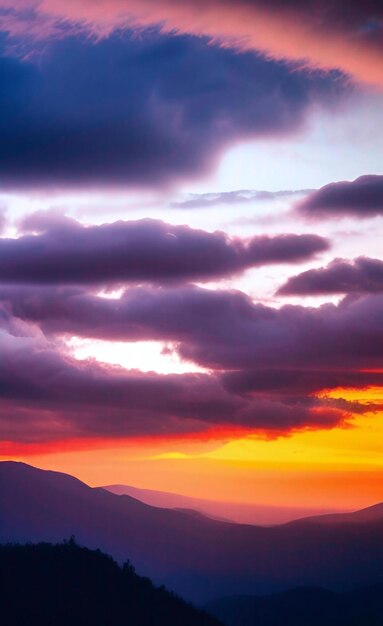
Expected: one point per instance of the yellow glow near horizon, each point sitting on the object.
(358, 443)
(328, 468)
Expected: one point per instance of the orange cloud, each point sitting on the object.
(345, 37)
(145, 445)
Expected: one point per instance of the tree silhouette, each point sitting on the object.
(67, 585)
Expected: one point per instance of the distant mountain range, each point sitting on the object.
(199, 558)
(370, 514)
(303, 607)
(65, 585)
(264, 515)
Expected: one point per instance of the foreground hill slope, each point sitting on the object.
(199, 558)
(303, 607)
(66, 585)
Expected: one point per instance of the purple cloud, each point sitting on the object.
(363, 275)
(45, 396)
(219, 330)
(140, 111)
(65, 252)
(292, 382)
(361, 198)
(265, 364)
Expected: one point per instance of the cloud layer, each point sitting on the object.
(320, 33)
(45, 396)
(66, 252)
(140, 111)
(264, 366)
(218, 329)
(149, 93)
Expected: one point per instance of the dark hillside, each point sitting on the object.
(199, 558)
(303, 607)
(65, 585)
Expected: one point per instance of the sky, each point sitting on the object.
(191, 271)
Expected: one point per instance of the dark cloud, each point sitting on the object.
(46, 396)
(363, 275)
(361, 198)
(146, 250)
(143, 111)
(219, 330)
(265, 365)
(242, 196)
(244, 335)
(290, 382)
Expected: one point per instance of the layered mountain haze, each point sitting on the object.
(227, 511)
(199, 558)
(370, 514)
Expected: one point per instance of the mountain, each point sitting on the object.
(369, 514)
(199, 558)
(68, 585)
(229, 511)
(303, 607)
(168, 500)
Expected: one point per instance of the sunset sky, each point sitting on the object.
(191, 270)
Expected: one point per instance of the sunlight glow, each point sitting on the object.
(147, 356)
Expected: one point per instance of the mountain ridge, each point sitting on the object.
(303, 606)
(243, 513)
(199, 558)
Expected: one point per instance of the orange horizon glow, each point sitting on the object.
(338, 468)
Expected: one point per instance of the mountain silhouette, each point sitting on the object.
(303, 607)
(199, 558)
(65, 585)
(369, 514)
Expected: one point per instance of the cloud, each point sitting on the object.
(66, 252)
(3, 221)
(244, 335)
(140, 111)
(361, 198)
(243, 196)
(291, 382)
(266, 365)
(219, 330)
(319, 33)
(46, 396)
(363, 275)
